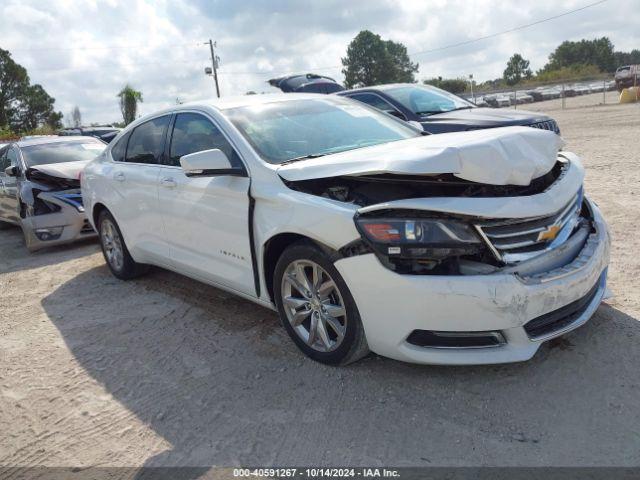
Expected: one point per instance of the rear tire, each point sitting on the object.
(316, 307)
(115, 251)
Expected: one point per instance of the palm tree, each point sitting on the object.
(129, 99)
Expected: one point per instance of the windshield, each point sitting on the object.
(61, 152)
(426, 100)
(294, 129)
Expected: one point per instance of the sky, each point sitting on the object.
(84, 51)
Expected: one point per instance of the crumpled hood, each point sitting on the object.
(488, 116)
(497, 156)
(67, 170)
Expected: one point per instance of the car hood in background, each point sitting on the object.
(67, 170)
(480, 117)
(499, 156)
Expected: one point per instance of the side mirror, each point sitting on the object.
(208, 163)
(11, 171)
(416, 125)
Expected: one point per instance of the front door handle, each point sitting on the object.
(169, 182)
(119, 176)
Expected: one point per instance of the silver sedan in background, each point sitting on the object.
(40, 188)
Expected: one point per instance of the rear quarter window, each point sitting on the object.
(119, 148)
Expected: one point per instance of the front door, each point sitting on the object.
(9, 187)
(206, 219)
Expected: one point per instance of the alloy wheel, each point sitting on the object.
(112, 244)
(313, 305)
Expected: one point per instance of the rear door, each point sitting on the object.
(9, 186)
(135, 183)
(206, 219)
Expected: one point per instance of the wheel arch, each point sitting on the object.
(274, 247)
(95, 212)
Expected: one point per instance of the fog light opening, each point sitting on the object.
(48, 234)
(438, 339)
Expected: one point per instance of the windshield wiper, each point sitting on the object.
(303, 157)
(431, 112)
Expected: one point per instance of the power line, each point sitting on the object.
(163, 62)
(485, 37)
(520, 27)
(109, 47)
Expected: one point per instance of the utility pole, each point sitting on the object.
(214, 64)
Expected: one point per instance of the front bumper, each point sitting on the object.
(73, 222)
(392, 306)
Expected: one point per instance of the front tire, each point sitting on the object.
(115, 251)
(316, 307)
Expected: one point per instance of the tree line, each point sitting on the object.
(23, 106)
(371, 60)
(572, 59)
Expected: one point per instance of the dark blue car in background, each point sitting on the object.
(439, 111)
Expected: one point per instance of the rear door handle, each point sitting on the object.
(119, 176)
(169, 182)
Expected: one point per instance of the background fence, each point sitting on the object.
(557, 94)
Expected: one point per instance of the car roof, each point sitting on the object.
(248, 100)
(226, 103)
(47, 140)
(93, 129)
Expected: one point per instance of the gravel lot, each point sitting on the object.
(167, 371)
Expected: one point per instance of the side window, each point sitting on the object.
(119, 149)
(146, 141)
(3, 159)
(194, 133)
(12, 157)
(376, 102)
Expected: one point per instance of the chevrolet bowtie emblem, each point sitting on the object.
(549, 234)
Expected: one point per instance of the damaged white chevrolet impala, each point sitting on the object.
(364, 235)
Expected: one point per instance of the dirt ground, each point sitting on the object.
(167, 371)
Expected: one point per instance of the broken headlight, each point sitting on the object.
(42, 207)
(427, 241)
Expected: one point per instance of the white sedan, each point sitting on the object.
(364, 234)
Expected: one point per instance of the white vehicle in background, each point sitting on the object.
(502, 100)
(364, 234)
(627, 76)
(520, 98)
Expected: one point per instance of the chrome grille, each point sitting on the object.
(550, 125)
(513, 241)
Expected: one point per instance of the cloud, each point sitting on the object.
(67, 46)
